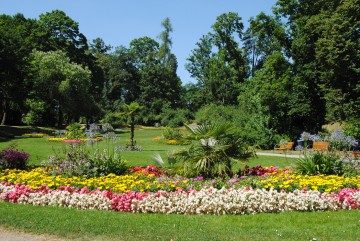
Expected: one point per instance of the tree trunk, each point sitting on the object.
(61, 118)
(132, 130)
(3, 119)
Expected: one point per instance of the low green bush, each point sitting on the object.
(327, 163)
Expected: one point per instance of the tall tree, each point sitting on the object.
(324, 38)
(218, 63)
(62, 33)
(264, 36)
(58, 87)
(17, 39)
(165, 48)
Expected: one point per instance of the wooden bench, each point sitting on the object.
(321, 146)
(356, 154)
(285, 147)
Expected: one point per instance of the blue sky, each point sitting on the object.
(118, 22)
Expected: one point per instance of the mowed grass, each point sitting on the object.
(106, 225)
(40, 149)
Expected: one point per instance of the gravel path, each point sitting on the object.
(7, 234)
(280, 155)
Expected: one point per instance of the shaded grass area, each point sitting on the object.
(40, 148)
(105, 225)
(9, 132)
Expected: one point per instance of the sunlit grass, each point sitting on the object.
(105, 225)
(40, 149)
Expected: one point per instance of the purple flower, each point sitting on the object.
(305, 136)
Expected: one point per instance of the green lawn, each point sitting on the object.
(41, 148)
(105, 225)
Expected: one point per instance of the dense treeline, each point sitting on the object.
(287, 72)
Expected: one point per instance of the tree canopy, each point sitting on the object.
(293, 70)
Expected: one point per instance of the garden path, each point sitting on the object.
(8, 234)
(280, 155)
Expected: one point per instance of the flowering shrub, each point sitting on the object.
(78, 162)
(11, 157)
(351, 166)
(339, 140)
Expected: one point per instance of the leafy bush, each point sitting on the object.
(352, 128)
(252, 127)
(103, 164)
(12, 158)
(78, 162)
(172, 134)
(320, 163)
(175, 117)
(212, 153)
(74, 131)
(114, 120)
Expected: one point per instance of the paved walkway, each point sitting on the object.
(280, 155)
(8, 234)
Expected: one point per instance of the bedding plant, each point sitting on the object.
(153, 189)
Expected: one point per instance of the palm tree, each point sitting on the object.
(132, 110)
(215, 147)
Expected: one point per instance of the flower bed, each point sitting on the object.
(148, 180)
(148, 190)
(205, 201)
(63, 139)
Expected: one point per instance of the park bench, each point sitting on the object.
(321, 146)
(285, 147)
(356, 154)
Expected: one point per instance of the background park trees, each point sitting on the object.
(291, 71)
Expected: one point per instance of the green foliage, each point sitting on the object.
(352, 128)
(320, 163)
(212, 152)
(62, 84)
(218, 63)
(132, 110)
(74, 131)
(114, 119)
(70, 223)
(36, 113)
(172, 133)
(103, 164)
(251, 123)
(78, 161)
(175, 117)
